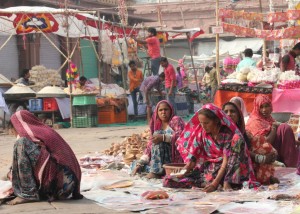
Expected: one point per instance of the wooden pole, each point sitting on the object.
(217, 45)
(68, 56)
(160, 22)
(99, 51)
(192, 59)
(264, 49)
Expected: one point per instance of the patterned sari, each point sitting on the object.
(195, 143)
(44, 166)
(163, 153)
(284, 142)
(263, 172)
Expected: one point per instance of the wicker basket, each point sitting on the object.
(173, 167)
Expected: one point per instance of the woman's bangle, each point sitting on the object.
(260, 158)
(163, 138)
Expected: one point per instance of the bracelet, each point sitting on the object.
(260, 158)
(163, 138)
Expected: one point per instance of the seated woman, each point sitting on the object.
(280, 136)
(239, 102)
(44, 166)
(262, 154)
(161, 149)
(212, 140)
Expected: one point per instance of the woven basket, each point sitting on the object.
(173, 167)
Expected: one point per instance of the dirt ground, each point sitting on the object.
(82, 141)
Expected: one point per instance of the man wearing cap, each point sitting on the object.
(247, 61)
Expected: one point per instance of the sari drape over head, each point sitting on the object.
(54, 150)
(195, 142)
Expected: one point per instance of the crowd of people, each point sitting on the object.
(219, 150)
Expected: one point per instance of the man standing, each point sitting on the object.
(247, 61)
(170, 81)
(135, 77)
(213, 81)
(288, 61)
(153, 46)
(147, 86)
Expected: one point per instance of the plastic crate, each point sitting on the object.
(84, 100)
(84, 122)
(50, 104)
(85, 111)
(110, 115)
(35, 105)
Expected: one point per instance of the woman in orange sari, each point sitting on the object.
(262, 125)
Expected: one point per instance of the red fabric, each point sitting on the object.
(153, 47)
(28, 126)
(170, 75)
(223, 96)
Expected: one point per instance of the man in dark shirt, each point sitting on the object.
(288, 61)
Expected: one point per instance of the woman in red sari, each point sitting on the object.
(44, 166)
(280, 136)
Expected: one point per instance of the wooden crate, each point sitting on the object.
(110, 115)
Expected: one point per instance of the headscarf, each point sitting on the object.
(257, 123)
(241, 122)
(28, 126)
(193, 128)
(243, 106)
(176, 123)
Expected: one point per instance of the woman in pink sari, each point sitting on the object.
(280, 136)
(44, 166)
(212, 141)
(165, 128)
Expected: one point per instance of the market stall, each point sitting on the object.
(250, 81)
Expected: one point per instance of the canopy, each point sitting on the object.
(237, 46)
(25, 19)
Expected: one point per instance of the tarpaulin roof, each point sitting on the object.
(29, 19)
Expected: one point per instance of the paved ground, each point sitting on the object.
(82, 141)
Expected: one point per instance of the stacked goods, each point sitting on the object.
(289, 80)
(19, 91)
(42, 77)
(131, 147)
(51, 91)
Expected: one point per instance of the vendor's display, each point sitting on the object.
(51, 91)
(130, 148)
(84, 111)
(182, 106)
(288, 80)
(112, 110)
(4, 82)
(42, 77)
(19, 91)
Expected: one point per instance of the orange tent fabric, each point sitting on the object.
(223, 96)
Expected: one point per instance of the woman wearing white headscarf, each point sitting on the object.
(241, 104)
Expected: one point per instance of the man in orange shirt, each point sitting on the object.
(135, 77)
(153, 46)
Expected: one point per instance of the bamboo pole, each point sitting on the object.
(217, 45)
(264, 49)
(99, 51)
(160, 22)
(192, 59)
(68, 57)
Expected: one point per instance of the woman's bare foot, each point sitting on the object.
(151, 175)
(274, 180)
(18, 200)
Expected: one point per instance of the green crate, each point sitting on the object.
(84, 100)
(84, 122)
